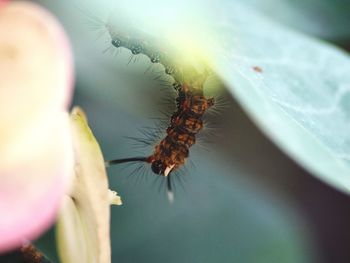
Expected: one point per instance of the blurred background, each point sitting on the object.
(242, 199)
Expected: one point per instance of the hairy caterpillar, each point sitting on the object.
(170, 153)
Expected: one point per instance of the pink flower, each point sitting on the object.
(36, 156)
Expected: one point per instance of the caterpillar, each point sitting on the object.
(171, 152)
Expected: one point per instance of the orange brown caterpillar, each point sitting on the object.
(171, 152)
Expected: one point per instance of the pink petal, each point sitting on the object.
(31, 190)
(35, 146)
(36, 75)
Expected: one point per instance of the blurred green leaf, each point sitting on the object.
(300, 99)
(328, 19)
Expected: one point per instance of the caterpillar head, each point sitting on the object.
(159, 167)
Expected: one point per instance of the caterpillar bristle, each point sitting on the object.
(170, 195)
(126, 160)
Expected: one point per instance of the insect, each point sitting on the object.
(170, 153)
(173, 150)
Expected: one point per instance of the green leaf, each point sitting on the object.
(328, 19)
(300, 99)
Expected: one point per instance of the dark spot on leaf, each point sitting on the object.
(257, 69)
